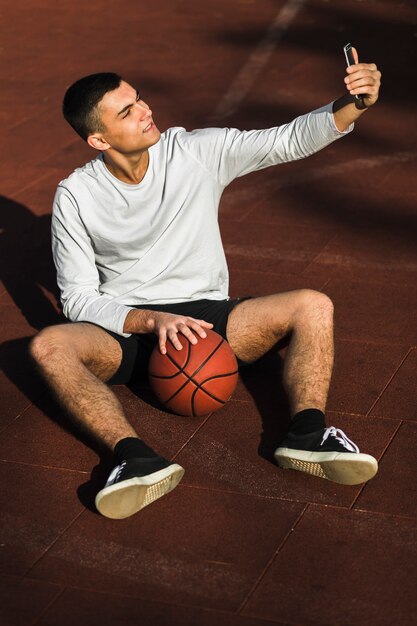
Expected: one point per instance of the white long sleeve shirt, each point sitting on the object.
(117, 245)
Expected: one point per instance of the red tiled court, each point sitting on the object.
(240, 542)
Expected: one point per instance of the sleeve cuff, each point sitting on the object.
(348, 130)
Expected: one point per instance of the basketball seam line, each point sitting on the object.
(208, 393)
(190, 376)
(200, 386)
(181, 368)
(201, 364)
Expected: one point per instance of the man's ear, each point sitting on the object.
(97, 142)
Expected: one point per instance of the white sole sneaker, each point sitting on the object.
(129, 496)
(341, 467)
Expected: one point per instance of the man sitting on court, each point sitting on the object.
(139, 259)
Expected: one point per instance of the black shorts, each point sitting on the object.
(137, 349)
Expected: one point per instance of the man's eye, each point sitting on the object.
(126, 114)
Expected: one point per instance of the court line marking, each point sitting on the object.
(247, 76)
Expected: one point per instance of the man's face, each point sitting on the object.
(129, 127)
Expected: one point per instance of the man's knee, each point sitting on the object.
(315, 303)
(48, 344)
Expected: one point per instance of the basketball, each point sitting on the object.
(196, 380)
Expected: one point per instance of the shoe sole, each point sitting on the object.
(341, 467)
(130, 496)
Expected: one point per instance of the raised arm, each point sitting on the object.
(361, 79)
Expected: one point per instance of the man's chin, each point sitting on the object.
(154, 136)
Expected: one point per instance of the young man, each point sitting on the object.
(139, 259)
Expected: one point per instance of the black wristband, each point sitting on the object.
(359, 103)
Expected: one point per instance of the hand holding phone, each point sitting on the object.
(351, 61)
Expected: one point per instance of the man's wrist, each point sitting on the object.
(139, 321)
(346, 112)
(359, 103)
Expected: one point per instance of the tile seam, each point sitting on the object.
(333, 236)
(50, 604)
(191, 436)
(373, 342)
(357, 281)
(68, 144)
(367, 511)
(51, 467)
(51, 545)
(383, 514)
(389, 382)
(353, 414)
(116, 594)
(405, 344)
(16, 418)
(245, 495)
(272, 559)
(42, 174)
(20, 578)
(335, 278)
(379, 460)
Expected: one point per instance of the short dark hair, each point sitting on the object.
(81, 99)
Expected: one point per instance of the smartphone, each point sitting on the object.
(349, 54)
(350, 61)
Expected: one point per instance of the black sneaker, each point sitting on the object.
(135, 483)
(327, 453)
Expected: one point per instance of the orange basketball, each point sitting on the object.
(196, 380)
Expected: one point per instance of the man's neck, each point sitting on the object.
(129, 170)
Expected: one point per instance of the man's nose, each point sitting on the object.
(144, 110)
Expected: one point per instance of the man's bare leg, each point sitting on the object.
(256, 325)
(306, 317)
(76, 360)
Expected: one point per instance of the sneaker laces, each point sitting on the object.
(338, 434)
